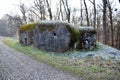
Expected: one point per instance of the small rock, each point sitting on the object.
(113, 53)
(90, 55)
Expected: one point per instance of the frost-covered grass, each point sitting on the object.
(102, 50)
(82, 63)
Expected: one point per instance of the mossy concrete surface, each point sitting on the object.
(57, 36)
(28, 27)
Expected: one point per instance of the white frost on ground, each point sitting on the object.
(103, 51)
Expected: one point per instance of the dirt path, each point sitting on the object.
(17, 66)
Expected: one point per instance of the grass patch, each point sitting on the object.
(88, 68)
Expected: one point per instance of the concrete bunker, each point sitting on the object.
(57, 36)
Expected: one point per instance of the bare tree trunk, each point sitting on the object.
(68, 15)
(104, 21)
(81, 13)
(111, 22)
(61, 9)
(88, 24)
(94, 6)
(94, 13)
(23, 11)
(118, 34)
(67, 9)
(119, 42)
(49, 10)
(117, 37)
(98, 26)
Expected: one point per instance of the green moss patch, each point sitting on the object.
(28, 27)
(50, 25)
(75, 36)
(44, 27)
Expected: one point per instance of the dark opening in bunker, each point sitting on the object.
(25, 41)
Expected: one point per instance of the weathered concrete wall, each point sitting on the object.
(58, 36)
(24, 38)
(57, 40)
(88, 35)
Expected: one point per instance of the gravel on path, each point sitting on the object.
(17, 66)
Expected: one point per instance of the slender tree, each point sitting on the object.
(81, 11)
(98, 20)
(87, 18)
(117, 36)
(111, 22)
(49, 10)
(60, 12)
(94, 6)
(67, 9)
(104, 21)
(23, 10)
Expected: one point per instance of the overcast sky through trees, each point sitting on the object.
(11, 6)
